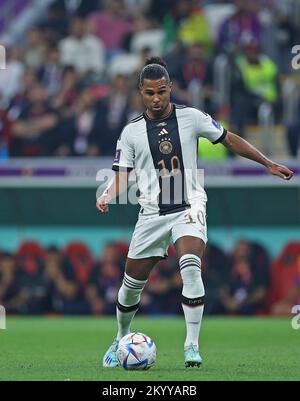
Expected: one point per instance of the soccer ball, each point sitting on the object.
(136, 351)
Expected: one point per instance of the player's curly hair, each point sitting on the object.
(156, 60)
(155, 68)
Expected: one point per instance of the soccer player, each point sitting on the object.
(161, 145)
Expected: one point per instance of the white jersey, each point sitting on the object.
(164, 156)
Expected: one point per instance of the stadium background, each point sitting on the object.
(63, 103)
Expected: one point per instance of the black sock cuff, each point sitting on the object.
(125, 309)
(192, 301)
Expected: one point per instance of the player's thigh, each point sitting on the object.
(140, 268)
(150, 239)
(189, 232)
(189, 244)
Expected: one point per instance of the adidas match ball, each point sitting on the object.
(136, 351)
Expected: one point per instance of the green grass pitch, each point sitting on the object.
(72, 349)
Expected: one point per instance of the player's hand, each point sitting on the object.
(102, 203)
(280, 171)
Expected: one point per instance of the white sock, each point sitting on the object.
(128, 303)
(193, 318)
(192, 297)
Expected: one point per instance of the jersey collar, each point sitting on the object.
(160, 119)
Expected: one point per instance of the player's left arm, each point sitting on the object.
(240, 146)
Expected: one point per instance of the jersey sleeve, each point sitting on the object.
(207, 127)
(124, 157)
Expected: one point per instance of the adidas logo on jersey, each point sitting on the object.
(163, 132)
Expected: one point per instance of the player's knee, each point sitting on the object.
(190, 267)
(190, 270)
(130, 291)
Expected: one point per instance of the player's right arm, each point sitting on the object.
(118, 186)
(123, 164)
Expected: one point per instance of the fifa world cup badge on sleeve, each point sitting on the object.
(117, 156)
(217, 125)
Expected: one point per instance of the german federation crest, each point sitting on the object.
(165, 147)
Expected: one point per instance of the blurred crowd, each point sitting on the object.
(71, 84)
(70, 281)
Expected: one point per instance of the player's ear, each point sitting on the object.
(171, 86)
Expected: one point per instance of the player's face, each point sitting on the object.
(156, 97)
